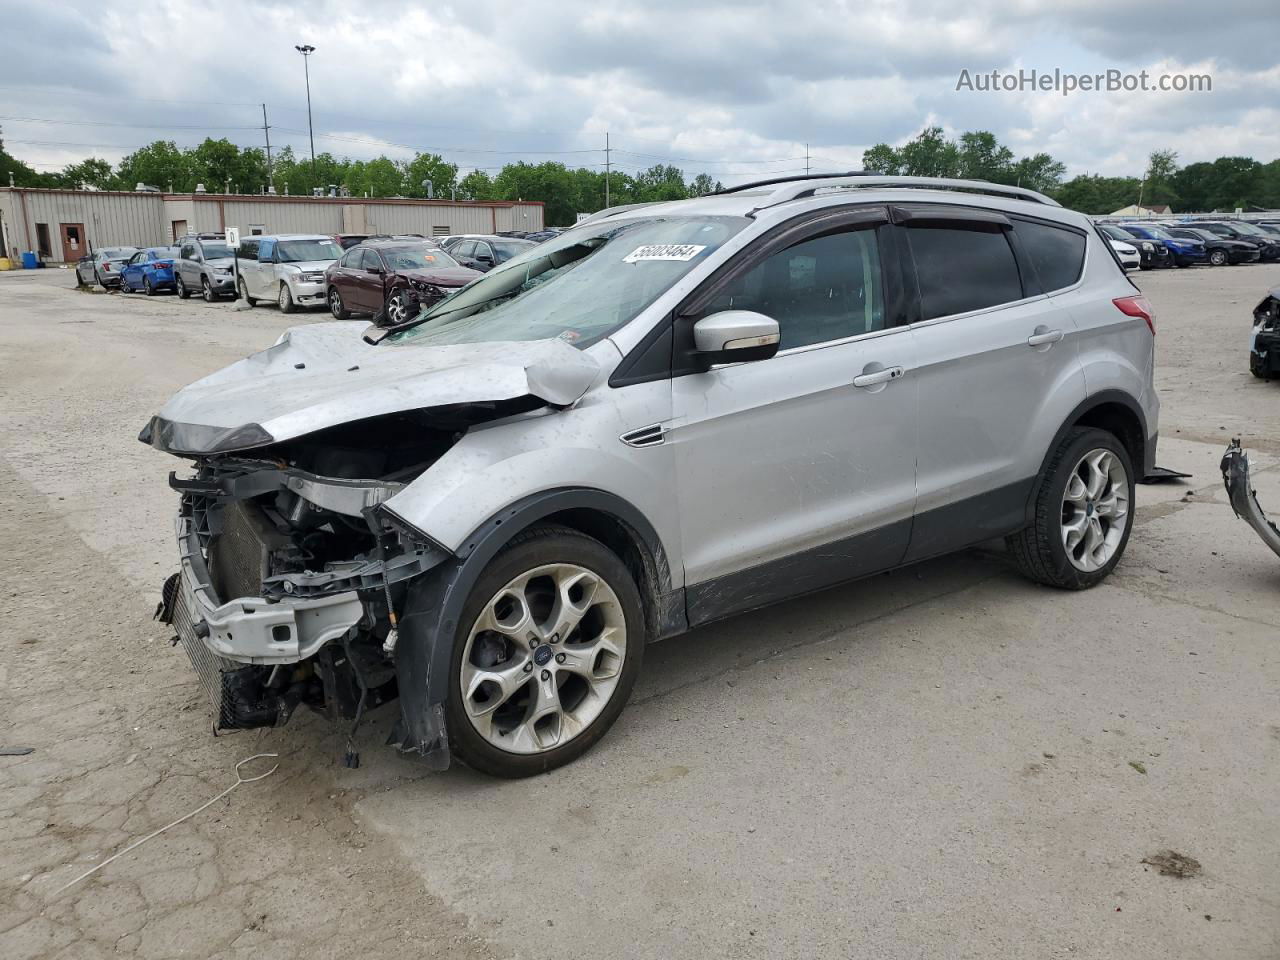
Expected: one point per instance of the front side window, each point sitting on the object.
(1057, 254)
(188, 251)
(963, 268)
(581, 287)
(825, 288)
(371, 261)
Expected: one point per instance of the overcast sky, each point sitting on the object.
(735, 90)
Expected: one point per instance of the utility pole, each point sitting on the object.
(606, 168)
(266, 132)
(307, 50)
(806, 159)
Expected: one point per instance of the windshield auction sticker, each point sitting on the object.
(665, 251)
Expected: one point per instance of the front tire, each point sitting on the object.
(1083, 513)
(548, 647)
(398, 308)
(1217, 258)
(206, 290)
(180, 288)
(286, 299)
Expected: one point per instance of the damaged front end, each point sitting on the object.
(1235, 474)
(1264, 345)
(292, 565)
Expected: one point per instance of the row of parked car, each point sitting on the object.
(384, 276)
(1183, 243)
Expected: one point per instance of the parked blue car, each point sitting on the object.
(149, 270)
(1183, 250)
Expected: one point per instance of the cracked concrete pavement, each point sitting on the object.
(939, 762)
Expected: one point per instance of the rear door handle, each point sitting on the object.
(1049, 336)
(877, 377)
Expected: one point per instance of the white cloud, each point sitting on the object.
(726, 85)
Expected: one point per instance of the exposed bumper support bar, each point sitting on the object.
(1235, 474)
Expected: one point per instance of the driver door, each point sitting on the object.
(798, 472)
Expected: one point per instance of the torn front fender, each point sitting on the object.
(1235, 474)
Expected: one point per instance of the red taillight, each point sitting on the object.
(1139, 307)
(106, 265)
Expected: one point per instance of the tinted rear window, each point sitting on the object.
(963, 268)
(1056, 254)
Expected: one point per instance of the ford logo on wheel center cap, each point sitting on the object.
(542, 656)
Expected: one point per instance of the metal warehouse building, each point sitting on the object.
(63, 225)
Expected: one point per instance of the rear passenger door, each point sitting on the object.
(997, 365)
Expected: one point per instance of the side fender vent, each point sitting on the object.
(649, 436)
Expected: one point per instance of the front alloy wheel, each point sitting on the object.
(397, 308)
(1218, 258)
(549, 648)
(286, 299)
(206, 290)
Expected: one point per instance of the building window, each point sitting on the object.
(440, 231)
(42, 240)
(257, 229)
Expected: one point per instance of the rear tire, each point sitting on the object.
(1083, 513)
(147, 287)
(244, 294)
(536, 725)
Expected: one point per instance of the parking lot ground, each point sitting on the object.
(946, 761)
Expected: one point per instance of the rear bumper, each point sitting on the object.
(251, 630)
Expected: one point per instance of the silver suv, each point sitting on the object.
(204, 266)
(288, 269)
(667, 415)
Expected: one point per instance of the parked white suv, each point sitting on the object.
(288, 269)
(667, 415)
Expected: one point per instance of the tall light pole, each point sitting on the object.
(307, 50)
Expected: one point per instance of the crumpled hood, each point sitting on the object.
(443, 276)
(324, 374)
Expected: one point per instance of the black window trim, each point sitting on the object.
(666, 351)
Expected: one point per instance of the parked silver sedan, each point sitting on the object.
(103, 266)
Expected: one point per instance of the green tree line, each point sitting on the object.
(221, 165)
(1222, 184)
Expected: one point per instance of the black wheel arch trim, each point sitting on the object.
(433, 604)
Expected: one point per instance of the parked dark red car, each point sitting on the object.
(392, 278)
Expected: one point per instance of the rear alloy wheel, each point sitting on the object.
(181, 288)
(244, 294)
(286, 299)
(206, 290)
(1218, 257)
(336, 306)
(548, 649)
(147, 287)
(397, 308)
(1084, 513)
(97, 278)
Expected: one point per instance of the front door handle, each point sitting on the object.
(878, 376)
(1043, 337)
